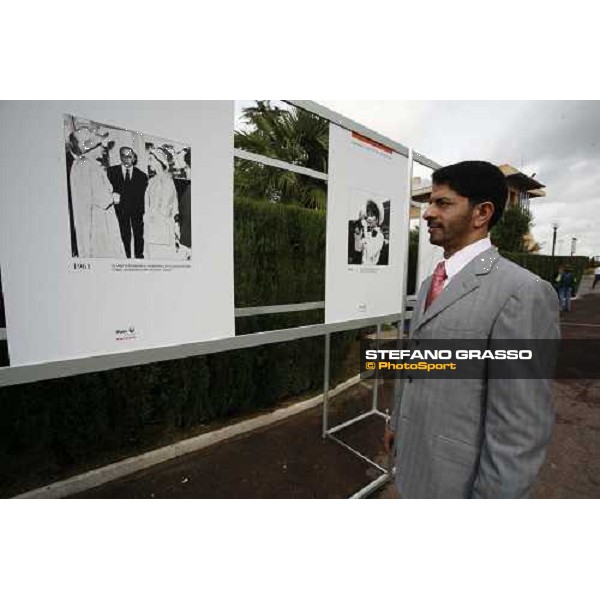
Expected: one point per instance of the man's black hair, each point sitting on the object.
(477, 180)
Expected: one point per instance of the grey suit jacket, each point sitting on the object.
(481, 438)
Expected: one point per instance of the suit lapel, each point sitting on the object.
(420, 303)
(462, 284)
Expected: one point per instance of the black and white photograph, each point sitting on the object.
(368, 229)
(129, 193)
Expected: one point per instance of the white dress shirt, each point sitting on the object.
(124, 170)
(460, 259)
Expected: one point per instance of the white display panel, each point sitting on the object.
(70, 291)
(429, 255)
(366, 228)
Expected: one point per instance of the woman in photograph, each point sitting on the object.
(161, 229)
(372, 236)
(96, 225)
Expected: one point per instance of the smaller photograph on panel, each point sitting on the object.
(368, 229)
(129, 193)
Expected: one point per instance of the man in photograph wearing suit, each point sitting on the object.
(130, 183)
(473, 438)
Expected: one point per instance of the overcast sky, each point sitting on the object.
(559, 141)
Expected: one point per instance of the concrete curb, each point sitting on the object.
(102, 475)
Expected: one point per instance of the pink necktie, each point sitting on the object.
(437, 284)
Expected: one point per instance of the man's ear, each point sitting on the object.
(483, 214)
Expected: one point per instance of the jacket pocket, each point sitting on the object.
(455, 451)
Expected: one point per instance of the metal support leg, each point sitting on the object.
(326, 383)
(376, 380)
(399, 336)
(372, 487)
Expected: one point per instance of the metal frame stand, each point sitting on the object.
(330, 432)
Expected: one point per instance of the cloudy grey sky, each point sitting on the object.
(557, 140)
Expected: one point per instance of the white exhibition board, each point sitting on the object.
(367, 228)
(70, 291)
(429, 255)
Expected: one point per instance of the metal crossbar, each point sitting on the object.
(252, 311)
(279, 164)
(346, 123)
(357, 453)
(372, 487)
(117, 360)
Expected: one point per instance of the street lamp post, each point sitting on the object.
(555, 227)
(573, 246)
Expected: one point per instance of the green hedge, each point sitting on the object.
(546, 266)
(52, 429)
(279, 254)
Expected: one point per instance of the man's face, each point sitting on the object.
(449, 218)
(127, 157)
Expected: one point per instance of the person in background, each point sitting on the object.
(185, 204)
(130, 183)
(96, 224)
(161, 230)
(566, 287)
(596, 276)
(556, 277)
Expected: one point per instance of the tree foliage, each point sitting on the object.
(508, 233)
(294, 136)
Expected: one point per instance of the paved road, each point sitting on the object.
(572, 468)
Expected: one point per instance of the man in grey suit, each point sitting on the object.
(473, 438)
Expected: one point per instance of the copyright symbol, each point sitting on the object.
(370, 366)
